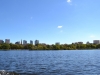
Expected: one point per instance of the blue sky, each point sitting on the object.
(50, 21)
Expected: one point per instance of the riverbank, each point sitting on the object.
(50, 47)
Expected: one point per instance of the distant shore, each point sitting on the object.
(49, 47)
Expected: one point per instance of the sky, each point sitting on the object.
(50, 21)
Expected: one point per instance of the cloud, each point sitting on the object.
(68, 1)
(59, 26)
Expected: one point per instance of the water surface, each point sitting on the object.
(62, 62)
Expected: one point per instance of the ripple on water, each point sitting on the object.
(51, 62)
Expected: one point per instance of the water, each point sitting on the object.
(62, 62)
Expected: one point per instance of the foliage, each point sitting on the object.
(50, 47)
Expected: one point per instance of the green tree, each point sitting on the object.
(30, 46)
(5, 46)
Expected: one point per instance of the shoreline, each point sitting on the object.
(43, 50)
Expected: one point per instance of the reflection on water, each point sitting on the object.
(84, 62)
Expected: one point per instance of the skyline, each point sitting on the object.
(63, 21)
(34, 41)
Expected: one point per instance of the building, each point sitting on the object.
(18, 42)
(7, 41)
(76, 43)
(24, 42)
(1, 41)
(31, 42)
(87, 42)
(80, 42)
(96, 41)
(21, 41)
(57, 43)
(36, 42)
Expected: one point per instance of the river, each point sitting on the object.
(53, 62)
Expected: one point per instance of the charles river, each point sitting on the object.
(53, 62)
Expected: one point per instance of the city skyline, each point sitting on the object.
(24, 42)
(50, 21)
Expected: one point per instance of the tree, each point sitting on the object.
(5, 46)
(0, 46)
(30, 46)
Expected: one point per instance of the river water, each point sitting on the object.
(61, 62)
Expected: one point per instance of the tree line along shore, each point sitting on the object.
(49, 47)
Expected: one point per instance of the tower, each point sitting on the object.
(21, 41)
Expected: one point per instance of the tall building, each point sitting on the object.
(31, 42)
(21, 41)
(1, 41)
(96, 41)
(24, 42)
(7, 41)
(36, 42)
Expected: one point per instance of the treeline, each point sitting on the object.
(50, 47)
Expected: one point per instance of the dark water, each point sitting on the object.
(74, 62)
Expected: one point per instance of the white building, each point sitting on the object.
(7, 41)
(96, 41)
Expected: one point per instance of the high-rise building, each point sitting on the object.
(96, 41)
(31, 42)
(36, 42)
(24, 42)
(21, 41)
(7, 41)
(1, 41)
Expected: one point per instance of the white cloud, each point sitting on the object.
(59, 27)
(68, 1)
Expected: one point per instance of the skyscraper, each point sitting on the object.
(1, 41)
(21, 41)
(36, 42)
(31, 42)
(7, 41)
(24, 42)
(96, 41)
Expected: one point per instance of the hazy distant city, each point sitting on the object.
(24, 42)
